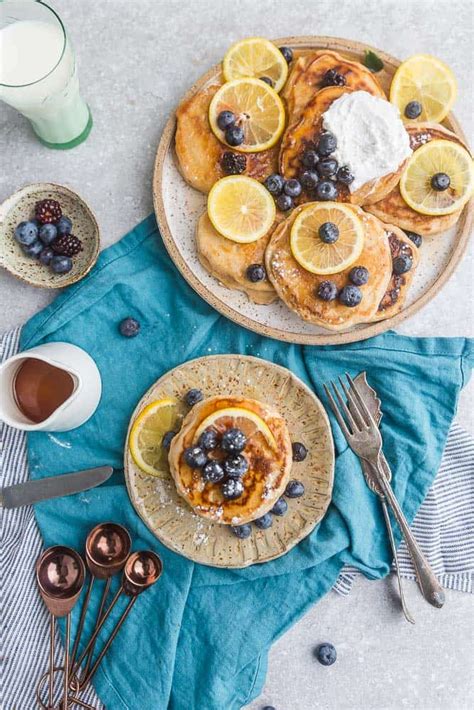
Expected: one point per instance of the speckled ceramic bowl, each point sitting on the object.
(21, 206)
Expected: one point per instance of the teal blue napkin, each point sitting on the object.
(199, 638)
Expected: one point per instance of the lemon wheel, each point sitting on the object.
(418, 182)
(146, 436)
(429, 81)
(258, 111)
(240, 208)
(308, 233)
(244, 419)
(256, 57)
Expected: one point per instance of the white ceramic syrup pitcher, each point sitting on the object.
(75, 410)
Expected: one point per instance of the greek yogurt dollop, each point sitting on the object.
(371, 137)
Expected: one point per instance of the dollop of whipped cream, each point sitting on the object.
(371, 137)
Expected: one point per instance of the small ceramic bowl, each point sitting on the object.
(21, 206)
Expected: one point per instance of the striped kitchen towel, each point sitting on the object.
(442, 526)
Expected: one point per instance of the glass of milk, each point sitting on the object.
(38, 73)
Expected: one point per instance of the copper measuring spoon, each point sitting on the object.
(60, 574)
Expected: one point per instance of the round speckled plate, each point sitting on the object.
(178, 207)
(170, 518)
(19, 207)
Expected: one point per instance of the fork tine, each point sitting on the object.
(356, 410)
(337, 413)
(367, 415)
(345, 409)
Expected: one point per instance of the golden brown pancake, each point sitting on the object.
(228, 261)
(199, 152)
(305, 133)
(393, 208)
(307, 77)
(297, 287)
(264, 482)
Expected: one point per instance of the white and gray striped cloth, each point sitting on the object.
(444, 530)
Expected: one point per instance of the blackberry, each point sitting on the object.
(233, 163)
(67, 245)
(48, 211)
(333, 78)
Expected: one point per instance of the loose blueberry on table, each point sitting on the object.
(128, 327)
(326, 654)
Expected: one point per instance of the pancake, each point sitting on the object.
(264, 482)
(399, 285)
(297, 287)
(228, 261)
(393, 208)
(305, 133)
(307, 77)
(199, 152)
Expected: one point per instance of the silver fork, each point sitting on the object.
(364, 438)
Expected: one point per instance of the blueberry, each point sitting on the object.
(310, 158)
(440, 182)
(195, 457)
(275, 184)
(208, 440)
(413, 109)
(232, 488)
(327, 144)
(287, 53)
(64, 226)
(234, 135)
(233, 441)
(269, 707)
(415, 238)
(300, 451)
(167, 439)
(236, 466)
(26, 233)
(294, 489)
(129, 327)
(328, 232)
(292, 188)
(350, 296)
(266, 521)
(61, 264)
(280, 507)
(359, 275)
(47, 233)
(213, 472)
(256, 273)
(327, 291)
(46, 256)
(284, 202)
(326, 190)
(233, 163)
(333, 78)
(193, 396)
(225, 119)
(402, 264)
(327, 167)
(345, 175)
(267, 80)
(326, 654)
(309, 179)
(242, 531)
(34, 250)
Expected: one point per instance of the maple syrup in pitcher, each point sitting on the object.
(40, 388)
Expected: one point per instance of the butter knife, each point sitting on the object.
(53, 487)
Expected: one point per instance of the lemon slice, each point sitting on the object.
(243, 419)
(240, 208)
(146, 435)
(438, 156)
(317, 256)
(256, 57)
(258, 109)
(428, 80)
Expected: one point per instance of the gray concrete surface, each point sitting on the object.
(135, 60)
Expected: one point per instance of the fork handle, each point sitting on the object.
(429, 585)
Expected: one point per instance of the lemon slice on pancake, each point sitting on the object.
(444, 158)
(258, 110)
(318, 256)
(146, 436)
(428, 80)
(240, 418)
(240, 208)
(256, 57)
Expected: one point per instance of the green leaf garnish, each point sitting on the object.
(372, 61)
